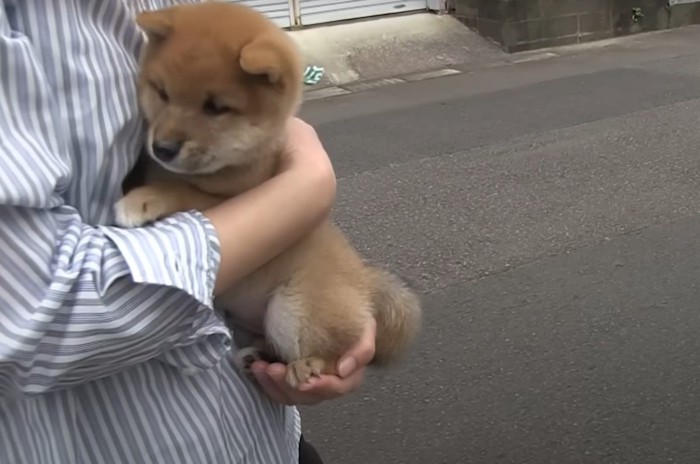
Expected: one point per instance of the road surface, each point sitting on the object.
(549, 211)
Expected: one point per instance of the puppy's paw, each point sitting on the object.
(302, 370)
(141, 206)
(245, 357)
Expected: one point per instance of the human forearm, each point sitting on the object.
(81, 302)
(258, 225)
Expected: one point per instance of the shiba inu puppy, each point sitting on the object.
(217, 85)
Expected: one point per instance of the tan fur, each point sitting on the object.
(319, 293)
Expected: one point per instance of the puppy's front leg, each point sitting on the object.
(152, 202)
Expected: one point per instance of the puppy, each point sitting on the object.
(218, 82)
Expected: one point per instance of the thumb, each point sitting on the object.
(361, 354)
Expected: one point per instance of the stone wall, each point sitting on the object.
(520, 25)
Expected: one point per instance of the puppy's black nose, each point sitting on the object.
(166, 150)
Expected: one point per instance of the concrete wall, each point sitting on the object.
(519, 25)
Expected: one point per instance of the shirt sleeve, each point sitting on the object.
(80, 301)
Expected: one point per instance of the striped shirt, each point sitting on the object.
(110, 351)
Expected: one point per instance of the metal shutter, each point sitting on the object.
(277, 10)
(325, 11)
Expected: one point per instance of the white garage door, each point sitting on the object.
(276, 10)
(325, 11)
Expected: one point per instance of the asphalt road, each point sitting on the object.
(550, 213)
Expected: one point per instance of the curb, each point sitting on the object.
(362, 86)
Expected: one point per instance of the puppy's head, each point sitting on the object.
(218, 82)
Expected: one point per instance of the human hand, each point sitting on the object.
(351, 373)
(303, 149)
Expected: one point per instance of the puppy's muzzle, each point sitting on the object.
(166, 150)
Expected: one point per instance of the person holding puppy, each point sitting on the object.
(110, 350)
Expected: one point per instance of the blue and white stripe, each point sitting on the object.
(110, 351)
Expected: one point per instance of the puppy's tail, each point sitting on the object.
(397, 310)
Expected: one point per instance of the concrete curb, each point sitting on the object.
(361, 86)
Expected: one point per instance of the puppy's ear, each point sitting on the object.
(156, 24)
(265, 56)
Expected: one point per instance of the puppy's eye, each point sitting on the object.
(212, 108)
(161, 92)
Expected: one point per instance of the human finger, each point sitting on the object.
(361, 353)
(329, 387)
(269, 385)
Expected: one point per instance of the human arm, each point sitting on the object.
(80, 301)
(271, 217)
(126, 296)
(351, 366)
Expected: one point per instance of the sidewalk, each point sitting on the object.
(371, 53)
